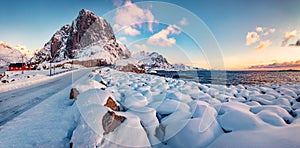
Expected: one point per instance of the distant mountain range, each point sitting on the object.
(14, 54)
(145, 60)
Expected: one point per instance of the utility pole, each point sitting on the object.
(50, 68)
(23, 64)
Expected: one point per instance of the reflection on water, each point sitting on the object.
(236, 77)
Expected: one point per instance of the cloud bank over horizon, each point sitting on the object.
(275, 65)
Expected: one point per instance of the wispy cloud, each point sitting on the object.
(129, 30)
(122, 39)
(263, 44)
(141, 47)
(183, 22)
(118, 3)
(252, 37)
(131, 16)
(275, 65)
(162, 38)
(259, 29)
(266, 33)
(288, 36)
(272, 30)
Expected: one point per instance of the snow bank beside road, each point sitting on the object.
(15, 79)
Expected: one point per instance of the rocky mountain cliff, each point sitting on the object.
(89, 37)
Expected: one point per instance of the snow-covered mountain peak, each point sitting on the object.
(85, 12)
(13, 54)
(89, 37)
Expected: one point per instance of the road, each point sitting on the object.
(15, 102)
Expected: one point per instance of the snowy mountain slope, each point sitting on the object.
(28, 53)
(88, 37)
(10, 54)
(146, 60)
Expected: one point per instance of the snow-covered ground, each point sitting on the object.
(155, 111)
(48, 124)
(17, 101)
(12, 80)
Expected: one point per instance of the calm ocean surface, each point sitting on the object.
(236, 77)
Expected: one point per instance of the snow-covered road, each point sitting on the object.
(15, 102)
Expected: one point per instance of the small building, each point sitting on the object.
(19, 66)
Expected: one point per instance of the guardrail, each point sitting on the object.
(67, 70)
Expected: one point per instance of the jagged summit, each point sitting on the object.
(85, 12)
(88, 37)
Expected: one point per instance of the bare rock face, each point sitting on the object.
(298, 43)
(86, 30)
(5, 81)
(133, 68)
(112, 104)
(92, 63)
(111, 121)
(74, 93)
(57, 43)
(298, 99)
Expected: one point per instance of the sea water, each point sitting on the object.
(235, 77)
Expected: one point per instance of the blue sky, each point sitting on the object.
(33, 22)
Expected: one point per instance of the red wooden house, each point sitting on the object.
(19, 66)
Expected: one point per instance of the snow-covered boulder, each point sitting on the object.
(199, 131)
(134, 99)
(169, 106)
(74, 93)
(271, 118)
(235, 116)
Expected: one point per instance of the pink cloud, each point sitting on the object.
(118, 3)
(132, 16)
(252, 37)
(162, 38)
(263, 44)
(259, 29)
(141, 47)
(122, 39)
(183, 22)
(272, 30)
(288, 36)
